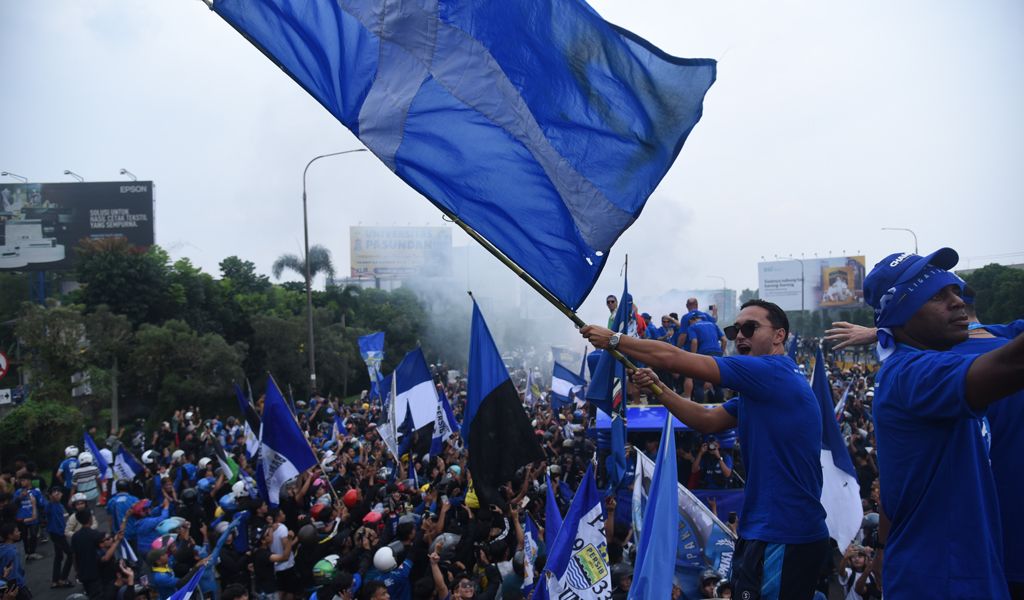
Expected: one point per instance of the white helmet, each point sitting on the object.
(85, 458)
(203, 462)
(188, 416)
(71, 452)
(149, 457)
(79, 497)
(239, 489)
(177, 455)
(384, 559)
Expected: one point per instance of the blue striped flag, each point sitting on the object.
(539, 124)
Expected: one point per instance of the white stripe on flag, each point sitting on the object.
(840, 496)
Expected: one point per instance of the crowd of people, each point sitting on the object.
(361, 524)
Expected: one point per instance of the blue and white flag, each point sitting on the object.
(250, 423)
(531, 547)
(840, 492)
(540, 125)
(125, 465)
(101, 463)
(565, 385)
(530, 396)
(841, 405)
(371, 348)
(415, 389)
(578, 558)
(445, 424)
(339, 429)
(284, 451)
(656, 551)
(704, 542)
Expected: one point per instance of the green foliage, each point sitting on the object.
(319, 263)
(748, 294)
(42, 426)
(999, 293)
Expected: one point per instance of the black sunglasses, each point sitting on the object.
(747, 329)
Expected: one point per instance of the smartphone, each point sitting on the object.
(444, 499)
(524, 502)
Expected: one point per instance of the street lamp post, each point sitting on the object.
(75, 175)
(910, 231)
(128, 173)
(14, 176)
(309, 282)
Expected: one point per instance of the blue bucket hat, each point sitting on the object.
(901, 283)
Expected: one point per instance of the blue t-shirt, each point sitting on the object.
(1009, 330)
(1005, 417)
(936, 483)
(779, 425)
(707, 335)
(118, 506)
(67, 467)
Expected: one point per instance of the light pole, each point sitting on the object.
(910, 231)
(128, 173)
(14, 176)
(75, 175)
(309, 280)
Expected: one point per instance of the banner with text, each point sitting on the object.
(812, 283)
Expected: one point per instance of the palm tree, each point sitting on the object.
(319, 262)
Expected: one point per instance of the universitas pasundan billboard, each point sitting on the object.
(835, 282)
(41, 224)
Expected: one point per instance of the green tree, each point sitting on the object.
(241, 276)
(40, 426)
(999, 293)
(133, 282)
(319, 263)
(748, 294)
(172, 366)
(54, 343)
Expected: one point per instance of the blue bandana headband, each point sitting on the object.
(900, 302)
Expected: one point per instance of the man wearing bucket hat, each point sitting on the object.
(936, 482)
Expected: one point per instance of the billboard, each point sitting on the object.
(42, 223)
(812, 283)
(396, 252)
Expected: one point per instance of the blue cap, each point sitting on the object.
(899, 268)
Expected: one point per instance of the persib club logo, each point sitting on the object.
(587, 567)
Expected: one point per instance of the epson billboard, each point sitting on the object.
(41, 224)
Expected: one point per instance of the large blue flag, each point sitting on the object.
(656, 553)
(565, 386)
(284, 451)
(840, 492)
(538, 124)
(371, 348)
(415, 389)
(101, 463)
(497, 431)
(578, 558)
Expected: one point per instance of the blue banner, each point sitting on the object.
(371, 348)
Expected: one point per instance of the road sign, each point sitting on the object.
(4, 365)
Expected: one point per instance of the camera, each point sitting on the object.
(712, 446)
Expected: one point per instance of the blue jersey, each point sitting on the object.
(118, 506)
(1004, 418)
(67, 468)
(936, 483)
(1009, 331)
(779, 425)
(708, 337)
(396, 580)
(23, 499)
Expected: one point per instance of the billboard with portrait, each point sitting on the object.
(813, 283)
(41, 224)
(398, 252)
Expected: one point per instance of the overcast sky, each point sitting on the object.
(828, 121)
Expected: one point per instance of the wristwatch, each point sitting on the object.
(613, 342)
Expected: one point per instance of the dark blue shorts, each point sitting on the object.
(768, 571)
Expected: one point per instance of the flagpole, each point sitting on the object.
(565, 310)
(330, 486)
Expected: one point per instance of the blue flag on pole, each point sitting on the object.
(445, 424)
(578, 558)
(415, 389)
(540, 125)
(565, 386)
(125, 465)
(250, 423)
(552, 515)
(371, 348)
(284, 451)
(497, 431)
(840, 492)
(656, 553)
(101, 463)
(605, 376)
(405, 432)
